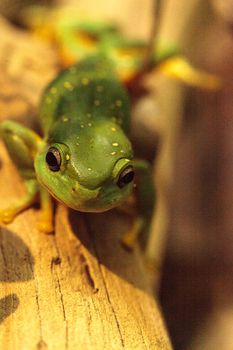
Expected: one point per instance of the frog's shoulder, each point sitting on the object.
(62, 85)
(78, 88)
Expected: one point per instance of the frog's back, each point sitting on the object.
(89, 89)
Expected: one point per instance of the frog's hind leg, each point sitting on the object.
(21, 144)
(129, 56)
(78, 39)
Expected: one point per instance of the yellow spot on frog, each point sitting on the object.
(118, 103)
(113, 153)
(65, 119)
(97, 102)
(115, 144)
(67, 157)
(113, 129)
(85, 81)
(77, 143)
(68, 86)
(82, 126)
(48, 100)
(89, 124)
(122, 151)
(53, 90)
(89, 169)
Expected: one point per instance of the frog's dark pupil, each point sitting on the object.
(126, 176)
(53, 159)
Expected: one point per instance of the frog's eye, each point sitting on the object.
(126, 176)
(53, 159)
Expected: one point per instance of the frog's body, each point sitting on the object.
(85, 113)
(84, 159)
(88, 87)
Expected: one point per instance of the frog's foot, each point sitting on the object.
(7, 215)
(130, 238)
(45, 226)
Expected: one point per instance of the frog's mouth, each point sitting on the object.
(82, 199)
(93, 201)
(49, 190)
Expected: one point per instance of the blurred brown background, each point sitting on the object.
(196, 289)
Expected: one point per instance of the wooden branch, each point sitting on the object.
(77, 289)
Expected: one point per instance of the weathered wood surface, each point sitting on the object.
(77, 289)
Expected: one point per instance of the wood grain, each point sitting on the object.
(76, 289)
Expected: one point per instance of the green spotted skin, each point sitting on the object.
(85, 114)
(89, 89)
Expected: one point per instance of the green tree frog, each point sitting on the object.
(84, 158)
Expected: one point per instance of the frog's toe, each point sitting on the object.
(45, 227)
(7, 215)
(130, 239)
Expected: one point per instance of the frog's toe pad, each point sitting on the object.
(128, 242)
(130, 239)
(45, 227)
(7, 215)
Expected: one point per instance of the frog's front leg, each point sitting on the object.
(8, 214)
(45, 223)
(22, 144)
(145, 199)
(131, 237)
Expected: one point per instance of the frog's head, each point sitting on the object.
(91, 170)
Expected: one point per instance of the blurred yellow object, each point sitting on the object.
(75, 38)
(179, 68)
